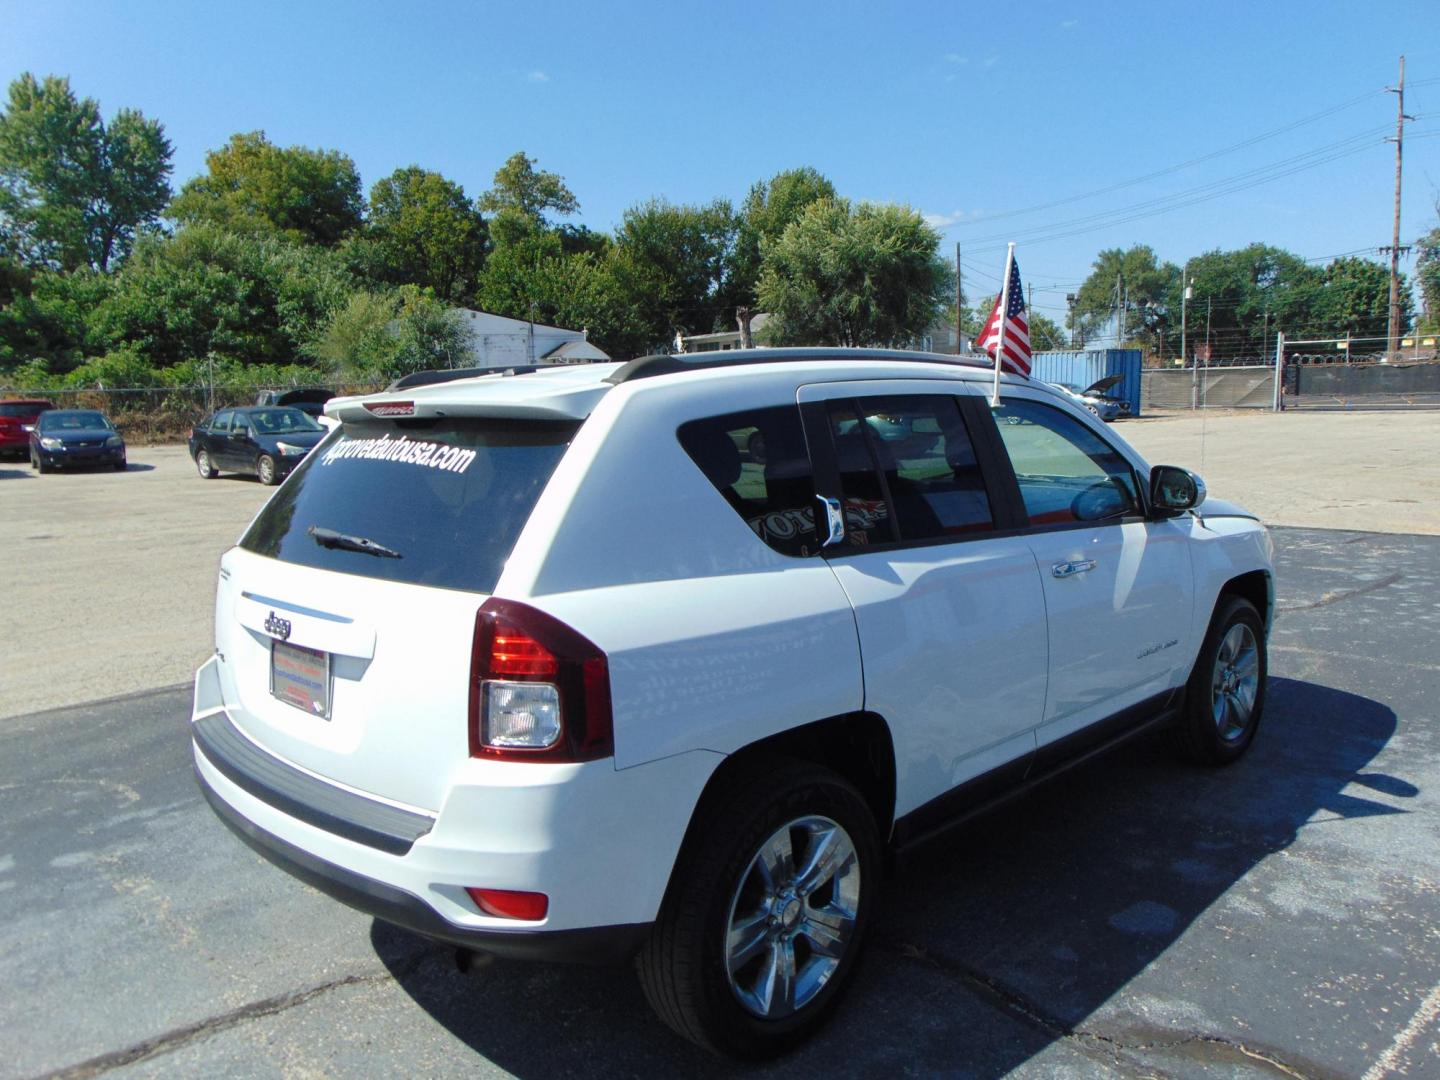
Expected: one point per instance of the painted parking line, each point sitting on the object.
(1423, 1018)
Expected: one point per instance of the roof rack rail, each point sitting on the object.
(444, 375)
(646, 367)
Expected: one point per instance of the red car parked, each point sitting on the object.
(15, 419)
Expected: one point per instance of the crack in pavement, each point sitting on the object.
(1342, 594)
(201, 1029)
(1118, 1051)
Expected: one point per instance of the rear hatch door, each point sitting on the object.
(346, 616)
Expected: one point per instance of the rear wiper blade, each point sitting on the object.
(364, 545)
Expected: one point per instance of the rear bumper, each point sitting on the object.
(587, 945)
(594, 839)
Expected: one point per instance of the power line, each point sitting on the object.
(1184, 164)
(1204, 193)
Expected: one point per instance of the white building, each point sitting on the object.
(495, 340)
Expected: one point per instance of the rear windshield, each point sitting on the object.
(24, 408)
(437, 502)
(282, 421)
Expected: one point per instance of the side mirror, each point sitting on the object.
(1174, 488)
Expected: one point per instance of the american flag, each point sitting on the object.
(1017, 329)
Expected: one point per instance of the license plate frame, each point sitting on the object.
(300, 677)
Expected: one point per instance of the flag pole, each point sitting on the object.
(1004, 319)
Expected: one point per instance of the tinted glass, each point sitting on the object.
(757, 460)
(449, 496)
(917, 450)
(72, 421)
(12, 410)
(282, 421)
(1065, 471)
(220, 422)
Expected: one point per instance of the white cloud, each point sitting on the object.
(944, 221)
(1069, 24)
(956, 58)
(991, 61)
(538, 76)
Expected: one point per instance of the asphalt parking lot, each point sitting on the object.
(1135, 918)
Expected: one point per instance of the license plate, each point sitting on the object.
(301, 677)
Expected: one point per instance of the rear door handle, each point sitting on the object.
(1070, 569)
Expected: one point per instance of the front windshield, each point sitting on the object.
(72, 421)
(282, 422)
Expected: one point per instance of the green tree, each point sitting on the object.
(255, 298)
(540, 279)
(49, 323)
(74, 190)
(1428, 271)
(422, 230)
(1354, 298)
(768, 210)
(674, 261)
(378, 336)
(1145, 284)
(846, 274)
(529, 192)
(251, 184)
(1242, 298)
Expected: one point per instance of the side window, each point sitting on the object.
(220, 423)
(758, 461)
(1066, 472)
(915, 450)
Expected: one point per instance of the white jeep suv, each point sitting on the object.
(661, 660)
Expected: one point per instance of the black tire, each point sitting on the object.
(684, 966)
(120, 466)
(267, 472)
(41, 465)
(204, 466)
(1213, 728)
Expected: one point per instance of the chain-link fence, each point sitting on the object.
(162, 413)
(1232, 386)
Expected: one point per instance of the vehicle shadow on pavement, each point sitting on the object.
(13, 474)
(995, 944)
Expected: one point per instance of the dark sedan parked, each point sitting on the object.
(69, 437)
(268, 442)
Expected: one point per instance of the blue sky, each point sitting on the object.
(960, 110)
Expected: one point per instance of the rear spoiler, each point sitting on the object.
(444, 375)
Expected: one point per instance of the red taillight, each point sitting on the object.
(517, 643)
(514, 655)
(508, 904)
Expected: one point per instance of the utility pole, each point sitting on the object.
(1074, 322)
(959, 304)
(1392, 337)
(1184, 304)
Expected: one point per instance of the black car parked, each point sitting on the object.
(69, 437)
(268, 442)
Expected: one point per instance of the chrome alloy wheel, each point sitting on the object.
(1235, 681)
(792, 917)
